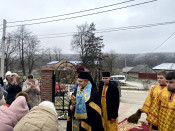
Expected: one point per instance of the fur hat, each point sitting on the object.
(8, 73)
(18, 78)
(23, 94)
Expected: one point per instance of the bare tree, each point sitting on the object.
(33, 52)
(10, 52)
(49, 50)
(57, 53)
(28, 49)
(21, 37)
(109, 62)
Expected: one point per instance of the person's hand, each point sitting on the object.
(12, 83)
(16, 83)
(154, 130)
(71, 107)
(32, 85)
(112, 120)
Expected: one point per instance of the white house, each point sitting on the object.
(165, 66)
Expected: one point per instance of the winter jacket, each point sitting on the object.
(12, 91)
(32, 92)
(1, 82)
(40, 118)
(9, 117)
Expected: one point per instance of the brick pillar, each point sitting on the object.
(46, 87)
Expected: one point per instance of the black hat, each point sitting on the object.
(84, 75)
(106, 74)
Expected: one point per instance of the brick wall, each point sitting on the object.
(46, 85)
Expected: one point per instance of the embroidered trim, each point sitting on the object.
(153, 91)
(85, 126)
(81, 99)
(105, 87)
(168, 108)
(75, 125)
(68, 118)
(146, 105)
(144, 111)
(95, 107)
(160, 96)
(152, 123)
(81, 116)
(145, 108)
(153, 114)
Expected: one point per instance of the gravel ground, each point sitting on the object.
(62, 125)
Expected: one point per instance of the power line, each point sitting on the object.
(74, 12)
(163, 42)
(135, 27)
(58, 34)
(86, 14)
(110, 29)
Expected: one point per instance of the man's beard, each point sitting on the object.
(106, 83)
(171, 90)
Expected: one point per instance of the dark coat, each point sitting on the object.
(1, 82)
(112, 99)
(94, 118)
(12, 91)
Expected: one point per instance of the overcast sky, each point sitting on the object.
(143, 40)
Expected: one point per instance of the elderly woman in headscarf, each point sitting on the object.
(40, 118)
(9, 117)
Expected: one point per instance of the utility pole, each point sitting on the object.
(3, 48)
(125, 62)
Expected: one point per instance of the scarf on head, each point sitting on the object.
(81, 99)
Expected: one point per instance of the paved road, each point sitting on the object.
(129, 103)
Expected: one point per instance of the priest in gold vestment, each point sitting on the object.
(109, 95)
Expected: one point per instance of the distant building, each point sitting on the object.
(125, 70)
(165, 66)
(140, 69)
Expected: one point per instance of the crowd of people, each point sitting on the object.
(91, 108)
(19, 108)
